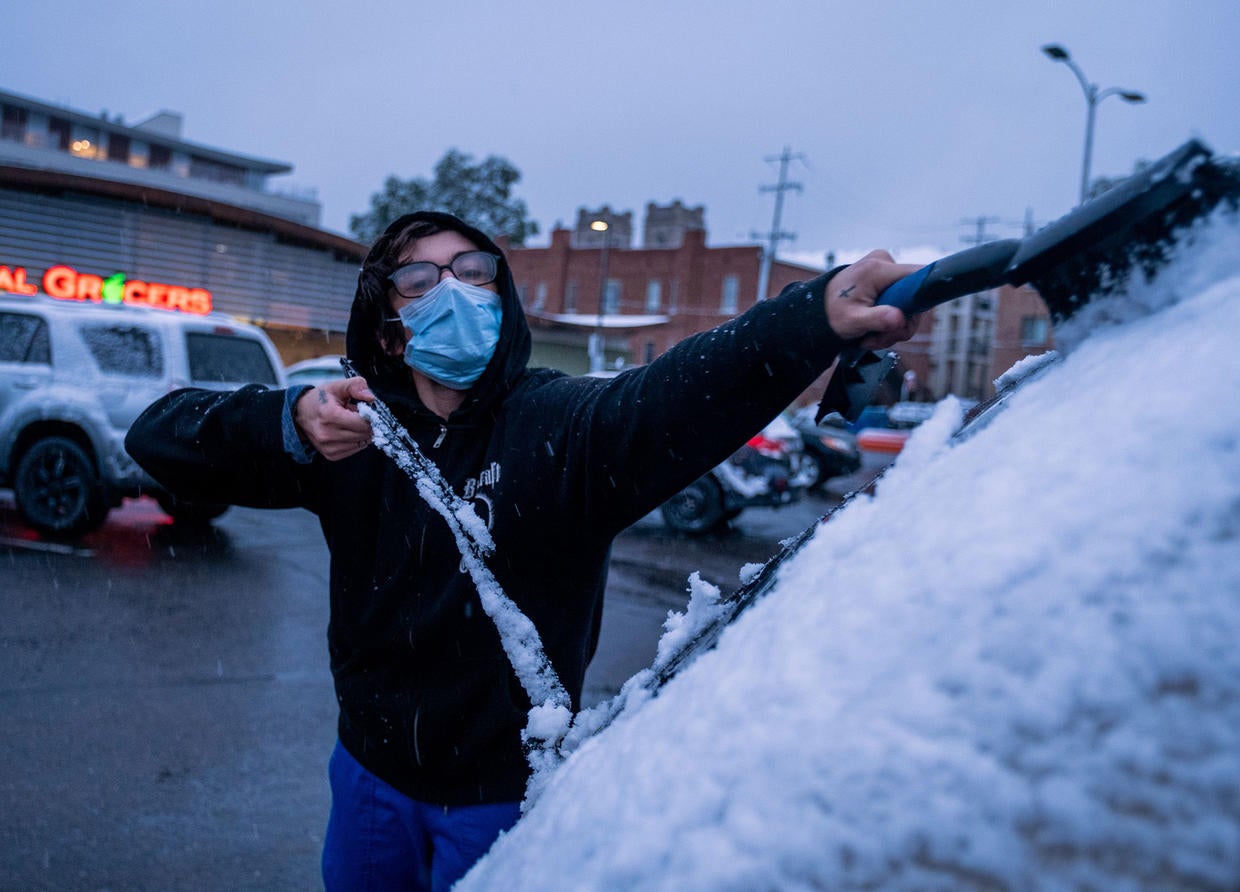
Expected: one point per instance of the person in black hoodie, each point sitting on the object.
(429, 766)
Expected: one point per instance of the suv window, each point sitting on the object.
(24, 338)
(125, 350)
(225, 359)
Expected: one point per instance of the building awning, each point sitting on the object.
(35, 179)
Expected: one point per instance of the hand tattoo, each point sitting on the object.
(847, 291)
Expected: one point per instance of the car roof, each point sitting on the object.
(112, 312)
(318, 362)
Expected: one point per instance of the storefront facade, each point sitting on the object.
(95, 210)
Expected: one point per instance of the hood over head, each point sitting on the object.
(370, 308)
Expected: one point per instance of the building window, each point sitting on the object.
(570, 297)
(118, 148)
(673, 297)
(649, 357)
(14, 123)
(729, 301)
(159, 158)
(1033, 331)
(611, 297)
(59, 130)
(654, 296)
(85, 142)
(540, 296)
(215, 171)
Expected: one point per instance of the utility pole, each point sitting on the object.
(776, 235)
(980, 238)
(1029, 224)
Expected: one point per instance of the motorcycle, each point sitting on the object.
(763, 472)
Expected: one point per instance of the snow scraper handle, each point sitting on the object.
(965, 272)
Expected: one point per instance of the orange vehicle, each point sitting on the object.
(882, 440)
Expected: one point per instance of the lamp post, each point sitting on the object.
(1093, 96)
(595, 349)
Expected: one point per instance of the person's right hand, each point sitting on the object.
(327, 418)
(851, 297)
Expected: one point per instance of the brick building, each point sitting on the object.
(962, 346)
(1022, 328)
(641, 301)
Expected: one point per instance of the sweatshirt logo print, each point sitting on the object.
(487, 478)
(480, 501)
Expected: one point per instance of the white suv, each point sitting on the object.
(74, 376)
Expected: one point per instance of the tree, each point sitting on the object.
(480, 194)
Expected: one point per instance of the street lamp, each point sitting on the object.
(1093, 96)
(595, 348)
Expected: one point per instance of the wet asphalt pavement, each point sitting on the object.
(168, 710)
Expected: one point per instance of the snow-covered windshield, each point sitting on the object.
(1016, 666)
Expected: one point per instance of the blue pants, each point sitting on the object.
(379, 839)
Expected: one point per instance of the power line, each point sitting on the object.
(979, 237)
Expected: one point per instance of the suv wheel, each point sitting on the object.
(57, 489)
(698, 508)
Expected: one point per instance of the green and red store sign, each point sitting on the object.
(66, 283)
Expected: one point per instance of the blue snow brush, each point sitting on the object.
(1092, 251)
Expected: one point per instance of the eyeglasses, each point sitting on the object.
(471, 267)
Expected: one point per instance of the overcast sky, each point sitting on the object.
(911, 117)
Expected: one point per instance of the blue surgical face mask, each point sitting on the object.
(454, 329)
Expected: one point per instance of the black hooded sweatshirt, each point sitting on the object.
(557, 466)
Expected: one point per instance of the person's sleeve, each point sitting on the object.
(293, 445)
(633, 441)
(222, 447)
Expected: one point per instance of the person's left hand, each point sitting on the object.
(327, 418)
(850, 298)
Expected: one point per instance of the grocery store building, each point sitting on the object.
(95, 209)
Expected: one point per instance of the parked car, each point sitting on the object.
(314, 371)
(869, 417)
(906, 416)
(760, 473)
(828, 450)
(74, 376)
